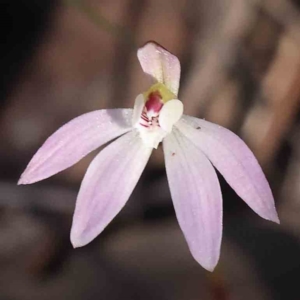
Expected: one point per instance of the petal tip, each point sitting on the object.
(20, 181)
(208, 266)
(271, 215)
(77, 241)
(27, 178)
(75, 244)
(23, 180)
(275, 219)
(210, 269)
(207, 261)
(149, 44)
(79, 236)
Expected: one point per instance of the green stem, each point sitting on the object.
(101, 21)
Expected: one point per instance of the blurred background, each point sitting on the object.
(240, 68)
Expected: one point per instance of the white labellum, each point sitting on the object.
(170, 113)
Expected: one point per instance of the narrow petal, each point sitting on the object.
(75, 140)
(160, 64)
(197, 198)
(107, 185)
(235, 161)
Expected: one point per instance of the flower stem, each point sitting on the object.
(101, 21)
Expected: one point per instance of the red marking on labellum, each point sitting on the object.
(150, 114)
(154, 102)
(144, 118)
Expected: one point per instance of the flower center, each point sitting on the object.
(154, 114)
(150, 112)
(164, 93)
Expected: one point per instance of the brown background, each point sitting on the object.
(240, 68)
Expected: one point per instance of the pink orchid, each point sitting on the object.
(191, 147)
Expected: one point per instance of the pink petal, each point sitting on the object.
(197, 198)
(75, 140)
(235, 161)
(160, 64)
(107, 185)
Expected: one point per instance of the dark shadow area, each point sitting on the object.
(23, 26)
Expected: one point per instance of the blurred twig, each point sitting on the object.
(285, 13)
(102, 22)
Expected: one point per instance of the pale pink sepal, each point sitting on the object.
(197, 198)
(235, 161)
(75, 140)
(160, 64)
(107, 185)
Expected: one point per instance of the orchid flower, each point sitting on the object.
(191, 148)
